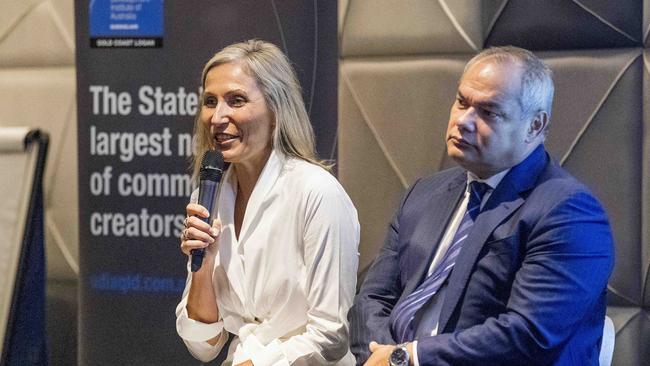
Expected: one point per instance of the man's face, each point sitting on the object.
(488, 131)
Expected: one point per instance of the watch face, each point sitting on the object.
(399, 357)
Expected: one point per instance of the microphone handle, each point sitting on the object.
(207, 194)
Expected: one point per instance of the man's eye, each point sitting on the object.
(461, 103)
(490, 114)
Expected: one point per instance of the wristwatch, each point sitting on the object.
(399, 356)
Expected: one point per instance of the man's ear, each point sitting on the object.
(537, 126)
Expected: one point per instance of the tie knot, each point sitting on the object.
(479, 188)
(476, 192)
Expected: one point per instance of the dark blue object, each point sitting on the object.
(209, 177)
(25, 341)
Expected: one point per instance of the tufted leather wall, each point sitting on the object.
(400, 63)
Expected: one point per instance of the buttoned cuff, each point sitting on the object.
(416, 362)
(195, 331)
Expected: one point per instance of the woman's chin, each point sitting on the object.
(225, 149)
(229, 156)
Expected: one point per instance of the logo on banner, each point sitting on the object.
(126, 23)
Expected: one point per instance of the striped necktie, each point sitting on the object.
(402, 320)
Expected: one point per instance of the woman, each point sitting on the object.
(279, 273)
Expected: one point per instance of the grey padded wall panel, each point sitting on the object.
(64, 10)
(631, 325)
(606, 157)
(342, 10)
(12, 12)
(646, 22)
(583, 81)
(45, 98)
(568, 24)
(404, 102)
(623, 15)
(37, 89)
(21, 45)
(645, 249)
(402, 110)
(374, 189)
(410, 27)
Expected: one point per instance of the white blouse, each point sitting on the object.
(285, 287)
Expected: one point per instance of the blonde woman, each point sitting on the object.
(279, 273)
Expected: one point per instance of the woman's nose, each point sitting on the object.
(221, 114)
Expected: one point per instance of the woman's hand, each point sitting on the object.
(197, 233)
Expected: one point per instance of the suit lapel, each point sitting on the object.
(506, 198)
(431, 226)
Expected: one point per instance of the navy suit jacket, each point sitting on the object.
(528, 287)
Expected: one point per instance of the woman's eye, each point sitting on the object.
(210, 102)
(237, 101)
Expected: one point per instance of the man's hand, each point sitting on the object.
(381, 352)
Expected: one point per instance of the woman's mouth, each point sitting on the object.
(224, 138)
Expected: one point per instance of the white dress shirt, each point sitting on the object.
(430, 317)
(285, 287)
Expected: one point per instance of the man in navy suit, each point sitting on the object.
(501, 261)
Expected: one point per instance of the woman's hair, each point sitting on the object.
(293, 135)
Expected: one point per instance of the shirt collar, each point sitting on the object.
(492, 181)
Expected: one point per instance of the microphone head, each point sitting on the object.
(211, 166)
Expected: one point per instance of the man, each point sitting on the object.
(504, 261)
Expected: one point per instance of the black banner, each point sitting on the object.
(138, 75)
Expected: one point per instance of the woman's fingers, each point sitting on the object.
(197, 233)
(194, 209)
(216, 227)
(195, 222)
(215, 230)
(193, 233)
(193, 238)
(188, 245)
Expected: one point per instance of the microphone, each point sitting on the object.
(209, 177)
